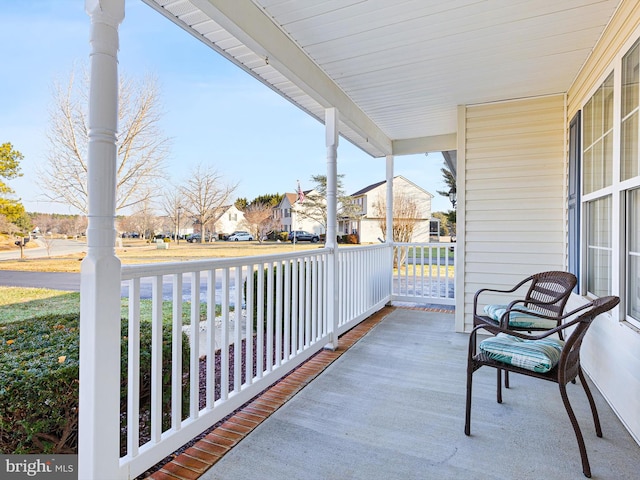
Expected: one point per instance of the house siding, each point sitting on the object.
(611, 350)
(514, 193)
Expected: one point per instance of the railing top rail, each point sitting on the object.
(375, 246)
(426, 244)
(167, 268)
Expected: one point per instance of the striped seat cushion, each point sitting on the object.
(536, 355)
(519, 318)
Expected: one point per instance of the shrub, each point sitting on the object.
(351, 239)
(39, 389)
(275, 291)
(39, 383)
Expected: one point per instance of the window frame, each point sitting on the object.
(619, 189)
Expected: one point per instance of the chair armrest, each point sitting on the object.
(496, 290)
(502, 329)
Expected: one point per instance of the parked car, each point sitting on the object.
(193, 238)
(303, 236)
(226, 237)
(240, 236)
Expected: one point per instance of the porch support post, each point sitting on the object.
(99, 411)
(389, 210)
(331, 134)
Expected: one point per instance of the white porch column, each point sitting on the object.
(389, 220)
(389, 213)
(99, 414)
(331, 135)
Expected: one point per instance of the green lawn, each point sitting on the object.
(18, 304)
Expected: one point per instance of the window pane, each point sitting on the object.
(598, 121)
(629, 147)
(607, 106)
(633, 254)
(607, 160)
(598, 138)
(599, 250)
(588, 171)
(587, 125)
(630, 64)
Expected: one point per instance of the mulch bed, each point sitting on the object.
(144, 428)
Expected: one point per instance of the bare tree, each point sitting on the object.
(171, 204)
(141, 147)
(406, 215)
(144, 221)
(204, 194)
(258, 218)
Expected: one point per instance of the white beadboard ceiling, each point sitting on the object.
(397, 69)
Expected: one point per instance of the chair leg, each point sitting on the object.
(506, 379)
(467, 416)
(592, 403)
(499, 385)
(586, 469)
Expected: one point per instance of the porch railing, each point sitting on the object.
(424, 273)
(248, 322)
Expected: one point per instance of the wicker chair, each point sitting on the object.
(534, 356)
(539, 310)
(545, 300)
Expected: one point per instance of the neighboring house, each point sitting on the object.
(290, 210)
(230, 220)
(371, 207)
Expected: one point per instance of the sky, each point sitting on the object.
(213, 112)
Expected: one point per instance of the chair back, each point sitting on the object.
(554, 288)
(569, 364)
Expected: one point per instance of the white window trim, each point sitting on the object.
(617, 191)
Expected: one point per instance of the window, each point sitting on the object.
(630, 180)
(597, 157)
(599, 251)
(629, 113)
(633, 255)
(610, 196)
(598, 138)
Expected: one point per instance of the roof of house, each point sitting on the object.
(377, 184)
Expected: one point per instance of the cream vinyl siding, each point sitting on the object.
(611, 350)
(514, 190)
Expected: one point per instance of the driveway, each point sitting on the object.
(53, 280)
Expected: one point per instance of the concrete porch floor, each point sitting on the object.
(392, 407)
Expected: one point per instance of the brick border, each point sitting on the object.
(200, 457)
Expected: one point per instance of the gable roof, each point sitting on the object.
(376, 185)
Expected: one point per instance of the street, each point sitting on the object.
(57, 247)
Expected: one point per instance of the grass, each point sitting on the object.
(17, 304)
(139, 251)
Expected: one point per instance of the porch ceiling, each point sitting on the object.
(397, 70)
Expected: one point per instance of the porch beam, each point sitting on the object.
(331, 140)
(250, 25)
(434, 143)
(99, 409)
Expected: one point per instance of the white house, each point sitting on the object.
(290, 213)
(230, 220)
(370, 210)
